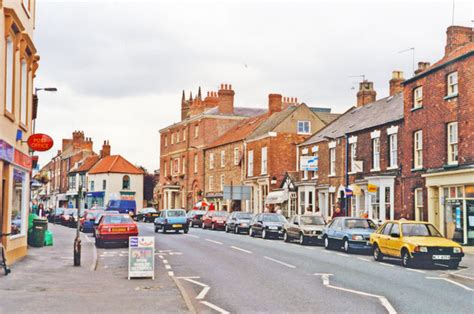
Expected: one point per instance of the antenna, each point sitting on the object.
(454, 7)
(362, 76)
(413, 57)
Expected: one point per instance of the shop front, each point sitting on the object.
(218, 201)
(374, 198)
(279, 200)
(95, 199)
(451, 204)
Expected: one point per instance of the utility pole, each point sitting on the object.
(77, 241)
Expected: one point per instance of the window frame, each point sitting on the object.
(236, 156)
(418, 203)
(264, 160)
(23, 199)
(222, 158)
(452, 85)
(332, 161)
(222, 182)
(196, 161)
(196, 130)
(376, 154)
(353, 150)
(418, 149)
(303, 123)
(418, 97)
(452, 146)
(250, 163)
(393, 150)
(211, 160)
(9, 75)
(126, 187)
(104, 184)
(211, 183)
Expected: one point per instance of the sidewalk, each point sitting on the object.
(47, 282)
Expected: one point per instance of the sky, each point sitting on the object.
(120, 66)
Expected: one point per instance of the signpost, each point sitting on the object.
(141, 257)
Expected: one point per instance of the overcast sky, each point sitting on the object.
(120, 66)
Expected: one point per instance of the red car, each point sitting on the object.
(214, 219)
(116, 228)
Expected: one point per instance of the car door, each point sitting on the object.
(295, 227)
(335, 229)
(384, 238)
(394, 244)
(231, 221)
(258, 224)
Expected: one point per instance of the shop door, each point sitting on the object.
(454, 220)
(470, 221)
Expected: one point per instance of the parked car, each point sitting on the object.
(55, 214)
(415, 242)
(122, 206)
(195, 217)
(305, 229)
(214, 219)
(88, 219)
(74, 216)
(147, 214)
(65, 217)
(97, 219)
(267, 225)
(349, 233)
(238, 222)
(172, 219)
(115, 228)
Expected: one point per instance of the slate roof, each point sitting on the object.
(87, 164)
(272, 122)
(382, 111)
(238, 111)
(327, 117)
(115, 164)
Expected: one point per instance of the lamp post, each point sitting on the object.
(77, 240)
(35, 102)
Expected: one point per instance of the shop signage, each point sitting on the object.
(237, 192)
(6, 151)
(372, 188)
(40, 142)
(22, 160)
(309, 163)
(141, 257)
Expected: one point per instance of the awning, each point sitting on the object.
(277, 197)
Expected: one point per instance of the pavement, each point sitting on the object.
(47, 282)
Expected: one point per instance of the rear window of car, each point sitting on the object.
(117, 219)
(176, 213)
(220, 214)
(312, 220)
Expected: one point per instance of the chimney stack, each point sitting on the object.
(226, 99)
(366, 93)
(105, 151)
(396, 83)
(458, 36)
(275, 103)
(422, 66)
(184, 107)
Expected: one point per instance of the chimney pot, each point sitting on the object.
(225, 100)
(275, 103)
(366, 93)
(458, 36)
(396, 83)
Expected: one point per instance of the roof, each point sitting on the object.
(382, 111)
(272, 122)
(240, 131)
(327, 117)
(238, 111)
(87, 164)
(114, 164)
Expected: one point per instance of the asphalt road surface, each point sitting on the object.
(222, 272)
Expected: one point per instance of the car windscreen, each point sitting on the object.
(243, 216)
(176, 213)
(273, 218)
(359, 224)
(312, 220)
(419, 230)
(117, 219)
(219, 214)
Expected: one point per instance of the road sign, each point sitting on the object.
(141, 257)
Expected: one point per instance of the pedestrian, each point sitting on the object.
(337, 212)
(308, 211)
(41, 211)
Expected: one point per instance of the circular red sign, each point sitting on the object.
(40, 142)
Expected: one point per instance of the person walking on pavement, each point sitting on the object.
(337, 213)
(41, 211)
(308, 211)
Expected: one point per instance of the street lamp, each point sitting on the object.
(35, 102)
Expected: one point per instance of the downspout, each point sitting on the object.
(346, 174)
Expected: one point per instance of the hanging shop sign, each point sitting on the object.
(40, 142)
(372, 188)
(141, 257)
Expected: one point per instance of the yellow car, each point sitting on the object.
(415, 242)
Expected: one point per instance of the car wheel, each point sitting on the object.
(251, 233)
(98, 243)
(406, 259)
(236, 230)
(264, 234)
(286, 238)
(346, 246)
(186, 230)
(164, 229)
(302, 239)
(453, 265)
(156, 229)
(378, 256)
(227, 228)
(190, 224)
(327, 243)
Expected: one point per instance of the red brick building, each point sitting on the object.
(182, 144)
(438, 140)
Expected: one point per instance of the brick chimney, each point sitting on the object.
(105, 151)
(396, 83)
(422, 66)
(458, 36)
(184, 107)
(275, 103)
(366, 93)
(289, 101)
(226, 99)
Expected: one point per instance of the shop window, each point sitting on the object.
(126, 183)
(388, 205)
(375, 203)
(18, 212)
(302, 202)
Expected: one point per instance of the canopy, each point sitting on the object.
(277, 197)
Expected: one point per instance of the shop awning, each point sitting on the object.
(277, 197)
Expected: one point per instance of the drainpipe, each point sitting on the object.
(346, 173)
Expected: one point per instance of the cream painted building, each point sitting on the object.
(18, 65)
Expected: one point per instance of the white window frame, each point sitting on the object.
(183, 165)
(24, 93)
(166, 141)
(264, 160)
(452, 84)
(222, 158)
(184, 135)
(196, 163)
(172, 138)
(376, 154)
(418, 202)
(353, 149)
(24, 202)
(196, 131)
(332, 161)
(178, 161)
(211, 161)
(9, 68)
(303, 123)
(393, 147)
(418, 97)
(236, 156)
(177, 136)
(222, 182)
(250, 163)
(418, 149)
(452, 143)
(211, 183)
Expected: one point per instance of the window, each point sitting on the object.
(395, 229)
(418, 149)
(183, 162)
(250, 164)
(175, 166)
(196, 131)
(236, 156)
(10, 59)
(388, 202)
(452, 84)
(166, 141)
(172, 138)
(453, 143)
(264, 160)
(195, 163)
(211, 161)
(222, 158)
(184, 135)
(418, 204)
(177, 137)
(19, 203)
(165, 167)
(211, 180)
(104, 185)
(418, 97)
(386, 229)
(304, 127)
(393, 150)
(332, 161)
(375, 204)
(24, 93)
(72, 182)
(92, 185)
(222, 182)
(376, 153)
(353, 150)
(126, 183)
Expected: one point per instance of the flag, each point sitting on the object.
(348, 192)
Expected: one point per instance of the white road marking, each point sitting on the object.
(168, 267)
(189, 277)
(175, 253)
(385, 264)
(162, 251)
(165, 261)
(382, 299)
(342, 254)
(416, 270)
(363, 259)
(192, 236)
(279, 262)
(309, 248)
(239, 249)
(196, 282)
(451, 281)
(462, 276)
(170, 273)
(161, 256)
(216, 242)
(214, 307)
(203, 293)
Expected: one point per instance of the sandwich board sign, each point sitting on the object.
(141, 257)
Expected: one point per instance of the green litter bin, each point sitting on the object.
(40, 226)
(48, 238)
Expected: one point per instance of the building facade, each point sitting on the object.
(18, 65)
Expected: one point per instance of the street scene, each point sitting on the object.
(237, 157)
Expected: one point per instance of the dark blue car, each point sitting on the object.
(122, 206)
(349, 233)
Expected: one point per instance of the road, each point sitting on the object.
(223, 272)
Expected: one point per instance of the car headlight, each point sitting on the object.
(421, 249)
(357, 237)
(457, 250)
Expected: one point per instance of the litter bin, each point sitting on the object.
(40, 225)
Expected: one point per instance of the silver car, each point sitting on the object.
(305, 229)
